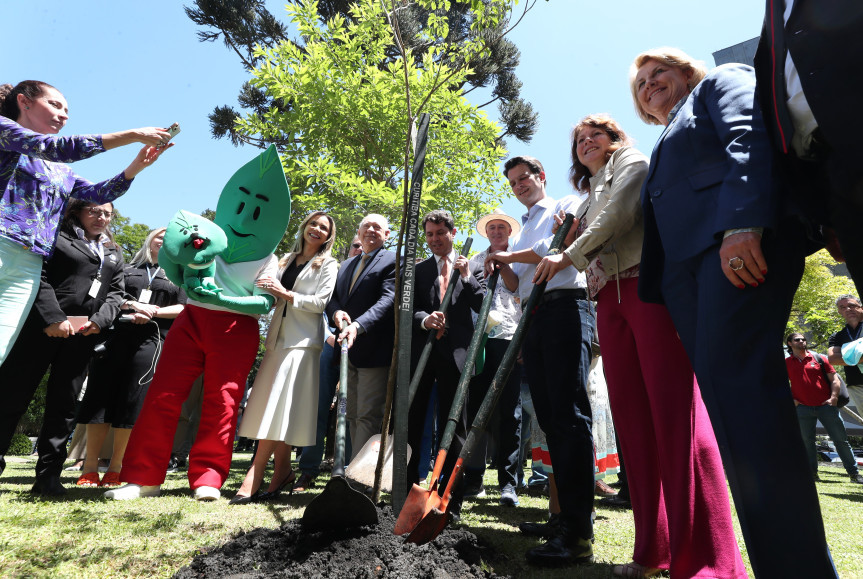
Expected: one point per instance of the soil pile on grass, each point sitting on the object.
(291, 551)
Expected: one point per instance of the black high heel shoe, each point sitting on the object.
(288, 482)
(245, 500)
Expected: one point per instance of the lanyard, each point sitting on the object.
(152, 276)
(859, 327)
(99, 251)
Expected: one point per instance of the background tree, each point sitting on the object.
(342, 137)
(129, 236)
(814, 309)
(245, 24)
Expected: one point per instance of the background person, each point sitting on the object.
(498, 227)
(815, 387)
(119, 379)
(851, 311)
(282, 408)
(723, 253)
(35, 187)
(84, 278)
(678, 493)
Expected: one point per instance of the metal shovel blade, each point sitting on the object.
(362, 468)
(338, 507)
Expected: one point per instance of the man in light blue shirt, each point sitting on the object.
(556, 353)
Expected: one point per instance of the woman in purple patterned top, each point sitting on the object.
(35, 186)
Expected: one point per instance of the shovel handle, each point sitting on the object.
(341, 408)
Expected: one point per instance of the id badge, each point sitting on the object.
(145, 296)
(94, 288)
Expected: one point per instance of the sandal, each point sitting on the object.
(90, 479)
(635, 570)
(110, 479)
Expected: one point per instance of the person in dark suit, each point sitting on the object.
(363, 298)
(724, 254)
(810, 99)
(454, 330)
(83, 278)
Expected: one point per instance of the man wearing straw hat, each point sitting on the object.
(498, 227)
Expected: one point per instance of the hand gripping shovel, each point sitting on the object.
(339, 506)
(419, 500)
(436, 519)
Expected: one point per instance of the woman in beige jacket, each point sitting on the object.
(677, 486)
(282, 407)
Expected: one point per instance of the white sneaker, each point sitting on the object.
(132, 491)
(207, 494)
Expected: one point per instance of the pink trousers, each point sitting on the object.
(677, 484)
(221, 346)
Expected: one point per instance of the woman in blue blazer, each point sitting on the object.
(723, 252)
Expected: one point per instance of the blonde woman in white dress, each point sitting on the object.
(282, 408)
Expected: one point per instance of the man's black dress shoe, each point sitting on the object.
(561, 550)
(48, 487)
(617, 502)
(546, 530)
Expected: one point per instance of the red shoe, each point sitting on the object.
(90, 479)
(110, 479)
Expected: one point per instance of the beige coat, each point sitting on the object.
(304, 320)
(613, 214)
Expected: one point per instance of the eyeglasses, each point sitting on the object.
(798, 339)
(95, 212)
(356, 245)
(849, 307)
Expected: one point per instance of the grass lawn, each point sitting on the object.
(82, 535)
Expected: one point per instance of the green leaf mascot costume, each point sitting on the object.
(216, 335)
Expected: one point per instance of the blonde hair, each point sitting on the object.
(300, 243)
(671, 57)
(144, 255)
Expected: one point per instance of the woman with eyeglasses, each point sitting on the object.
(80, 293)
(35, 186)
(120, 378)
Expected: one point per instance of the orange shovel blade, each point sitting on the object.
(418, 504)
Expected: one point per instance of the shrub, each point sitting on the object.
(20, 445)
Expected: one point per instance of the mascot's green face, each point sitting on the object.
(192, 241)
(255, 208)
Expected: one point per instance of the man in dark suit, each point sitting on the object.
(453, 329)
(806, 68)
(363, 298)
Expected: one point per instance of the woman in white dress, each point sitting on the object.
(282, 408)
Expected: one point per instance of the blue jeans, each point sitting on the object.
(829, 418)
(311, 457)
(538, 477)
(20, 271)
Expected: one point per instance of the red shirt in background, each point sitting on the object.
(809, 384)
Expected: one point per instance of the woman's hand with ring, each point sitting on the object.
(741, 259)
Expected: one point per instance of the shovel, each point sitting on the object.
(419, 500)
(436, 519)
(363, 465)
(339, 506)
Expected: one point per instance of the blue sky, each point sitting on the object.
(123, 65)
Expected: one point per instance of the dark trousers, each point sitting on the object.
(441, 368)
(556, 353)
(734, 339)
(20, 375)
(506, 417)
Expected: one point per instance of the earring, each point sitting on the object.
(26, 108)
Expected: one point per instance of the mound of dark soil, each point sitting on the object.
(291, 551)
